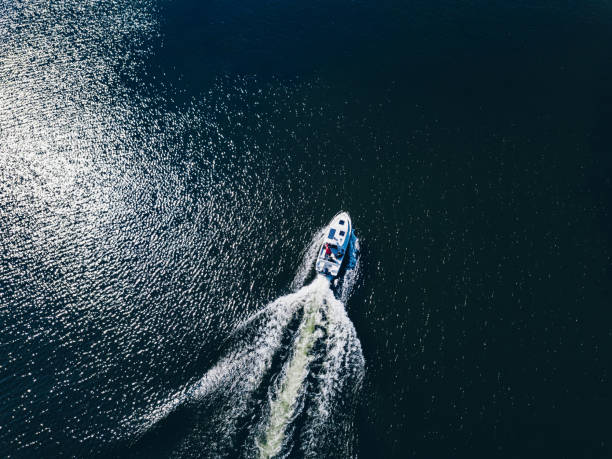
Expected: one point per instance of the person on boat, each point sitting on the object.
(328, 252)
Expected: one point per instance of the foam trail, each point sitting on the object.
(283, 404)
(302, 351)
(338, 382)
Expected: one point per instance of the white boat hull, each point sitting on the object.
(337, 238)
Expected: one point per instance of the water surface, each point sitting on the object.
(166, 166)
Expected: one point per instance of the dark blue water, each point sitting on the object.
(166, 168)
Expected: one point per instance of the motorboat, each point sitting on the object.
(335, 247)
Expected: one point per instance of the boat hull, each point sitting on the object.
(337, 238)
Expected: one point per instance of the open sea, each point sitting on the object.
(167, 170)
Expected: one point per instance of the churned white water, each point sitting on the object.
(284, 400)
(288, 380)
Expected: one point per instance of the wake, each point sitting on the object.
(288, 381)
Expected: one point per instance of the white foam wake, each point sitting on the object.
(284, 399)
(289, 379)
